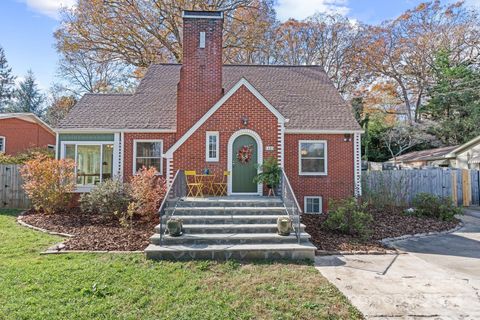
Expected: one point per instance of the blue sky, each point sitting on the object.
(27, 26)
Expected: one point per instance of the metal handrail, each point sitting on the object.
(290, 203)
(175, 191)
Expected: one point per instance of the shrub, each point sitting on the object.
(25, 156)
(147, 191)
(349, 217)
(432, 206)
(106, 198)
(48, 182)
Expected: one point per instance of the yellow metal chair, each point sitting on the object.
(221, 187)
(194, 187)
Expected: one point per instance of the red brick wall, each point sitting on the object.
(227, 120)
(200, 84)
(337, 184)
(22, 135)
(168, 141)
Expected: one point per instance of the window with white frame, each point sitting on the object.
(93, 161)
(313, 204)
(312, 157)
(212, 146)
(148, 153)
(2, 144)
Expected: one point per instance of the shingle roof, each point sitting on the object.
(430, 154)
(302, 94)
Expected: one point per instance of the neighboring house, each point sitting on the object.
(201, 113)
(465, 156)
(23, 131)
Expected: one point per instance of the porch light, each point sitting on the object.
(245, 120)
(347, 137)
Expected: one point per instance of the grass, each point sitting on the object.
(126, 286)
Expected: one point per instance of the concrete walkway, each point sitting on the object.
(435, 277)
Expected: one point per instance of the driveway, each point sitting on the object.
(434, 277)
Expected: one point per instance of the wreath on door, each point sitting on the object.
(244, 154)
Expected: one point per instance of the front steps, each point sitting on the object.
(240, 228)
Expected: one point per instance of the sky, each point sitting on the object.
(27, 26)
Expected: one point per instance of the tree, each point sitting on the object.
(85, 73)
(454, 103)
(141, 32)
(27, 97)
(60, 104)
(7, 81)
(402, 137)
(402, 50)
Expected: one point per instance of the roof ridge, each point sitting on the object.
(249, 65)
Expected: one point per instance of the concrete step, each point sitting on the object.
(228, 238)
(231, 202)
(238, 252)
(229, 228)
(225, 219)
(226, 210)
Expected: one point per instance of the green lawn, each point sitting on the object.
(126, 286)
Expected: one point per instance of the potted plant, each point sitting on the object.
(174, 227)
(270, 174)
(284, 226)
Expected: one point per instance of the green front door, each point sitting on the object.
(243, 173)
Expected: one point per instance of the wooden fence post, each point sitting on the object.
(467, 188)
(454, 188)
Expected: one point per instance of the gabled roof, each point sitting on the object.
(211, 111)
(424, 155)
(29, 117)
(464, 146)
(302, 94)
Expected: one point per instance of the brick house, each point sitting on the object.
(200, 113)
(23, 131)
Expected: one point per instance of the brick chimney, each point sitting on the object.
(200, 84)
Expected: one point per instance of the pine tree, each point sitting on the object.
(27, 97)
(7, 81)
(455, 100)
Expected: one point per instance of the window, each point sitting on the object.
(212, 147)
(313, 204)
(312, 157)
(2, 144)
(148, 153)
(94, 161)
(202, 40)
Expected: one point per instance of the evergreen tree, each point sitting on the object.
(454, 101)
(27, 97)
(7, 81)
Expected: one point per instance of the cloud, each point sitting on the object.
(49, 7)
(300, 9)
(473, 3)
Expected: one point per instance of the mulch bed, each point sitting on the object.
(386, 224)
(95, 232)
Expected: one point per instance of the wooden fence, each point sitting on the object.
(11, 191)
(401, 186)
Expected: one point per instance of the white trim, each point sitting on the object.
(106, 130)
(206, 116)
(134, 162)
(300, 158)
(4, 144)
(217, 145)
(281, 144)
(258, 139)
(88, 187)
(320, 204)
(467, 144)
(193, 16)
(357, 151)
(116, 154)
(57, 147)
(122, 154)
(320, 131)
